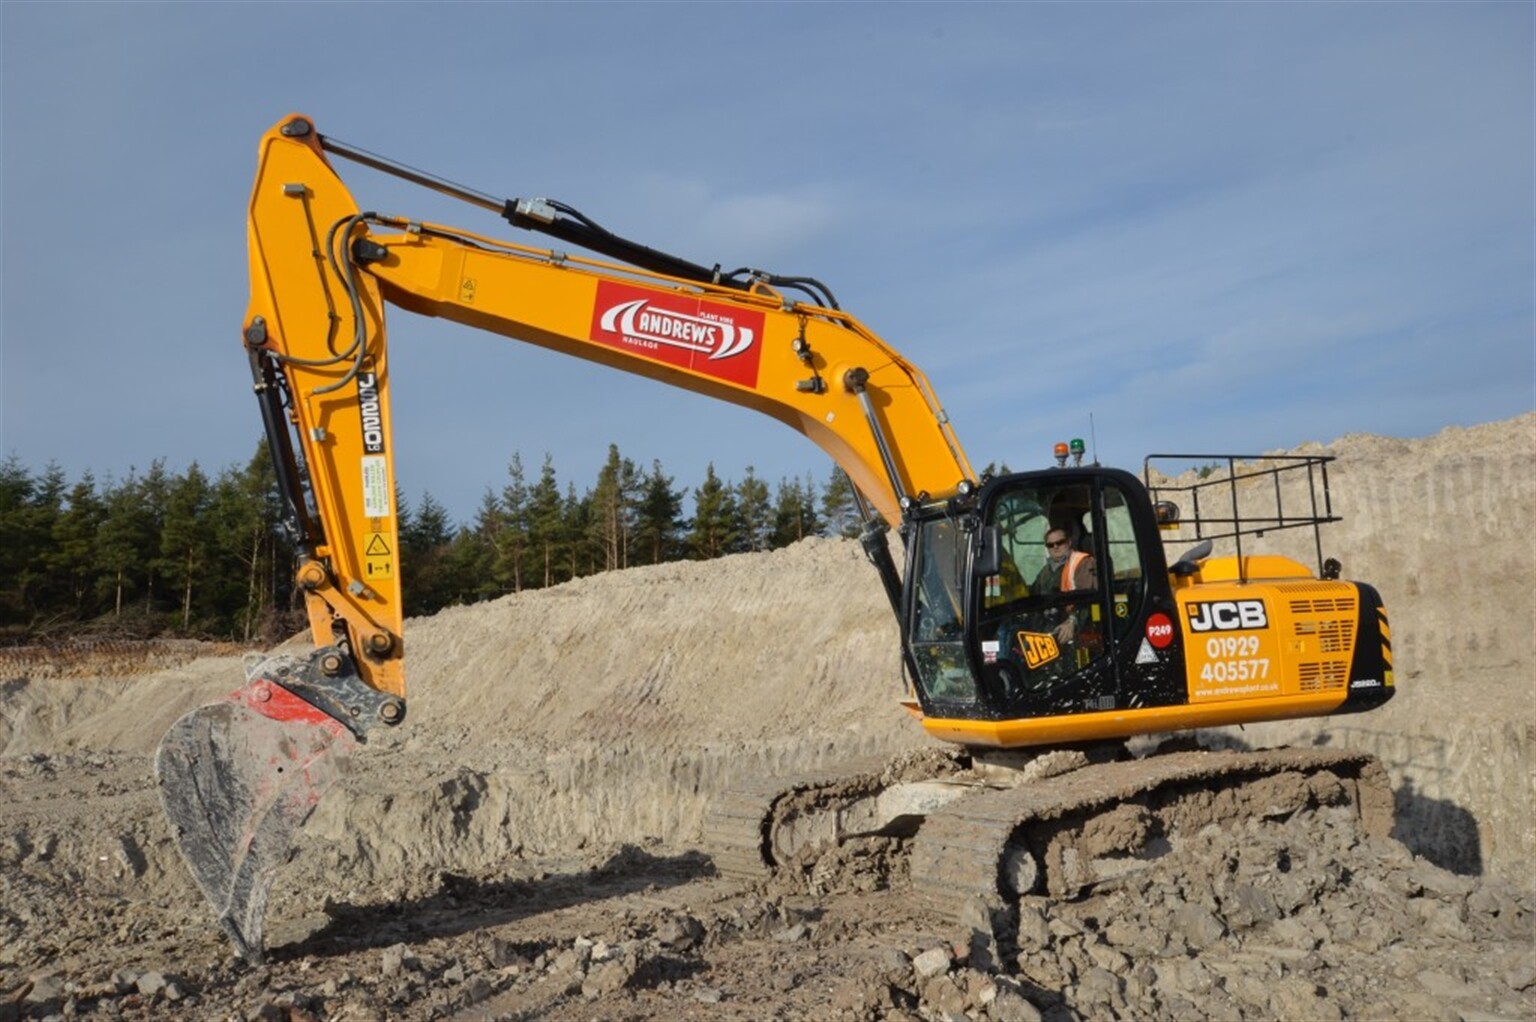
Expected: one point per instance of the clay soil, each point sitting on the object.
(528, 845)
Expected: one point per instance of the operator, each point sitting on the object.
(1065, 570)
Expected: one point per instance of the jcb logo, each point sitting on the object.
(1227, 616)
(1038, 648)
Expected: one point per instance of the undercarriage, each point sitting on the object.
(974, 831)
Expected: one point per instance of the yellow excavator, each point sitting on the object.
(1038, 611)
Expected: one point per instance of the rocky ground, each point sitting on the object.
(1298, 918)
(528, 846)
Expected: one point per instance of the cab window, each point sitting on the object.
(938, 628)
(1033, 624)
(1123, 563)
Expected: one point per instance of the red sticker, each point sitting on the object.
(1159, 630)
(681, 330)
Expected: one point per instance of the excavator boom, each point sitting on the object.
(238, 778)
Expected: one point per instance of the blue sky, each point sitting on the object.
(1210, 227)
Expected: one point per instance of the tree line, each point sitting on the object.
(200, 556)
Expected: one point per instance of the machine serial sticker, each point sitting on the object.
(680, 330)
(375, 486)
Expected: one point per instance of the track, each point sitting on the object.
(1001, 834)
(740, 829)
(1060, 835)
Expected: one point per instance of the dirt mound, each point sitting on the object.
(525, 845)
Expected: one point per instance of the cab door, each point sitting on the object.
(1105, 661)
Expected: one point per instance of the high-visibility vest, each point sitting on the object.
(1069, 571)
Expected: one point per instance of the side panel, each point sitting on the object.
(1232, 644)
(1291, 639)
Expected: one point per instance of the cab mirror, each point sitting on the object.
(989, 552)
(1189, 561)
(1167, 514)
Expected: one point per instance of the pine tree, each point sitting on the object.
(424, 539)
(50, 594)
(839, 507)
(575, 525)
(242, 510)
(154, 496)
(29, 509)
(467, 563)
(121, 542)
(509, 529)
(609, 531)
(753, 515)
(714, 518)
(474, 552)
(658, 517)
(186, 536)
(545, 521)
(73, 560)
(794, 512)
(22, 544)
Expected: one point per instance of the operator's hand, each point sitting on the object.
(1065, 631)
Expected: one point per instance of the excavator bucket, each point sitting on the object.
(237, 780)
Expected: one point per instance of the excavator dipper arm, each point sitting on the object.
(238, 778)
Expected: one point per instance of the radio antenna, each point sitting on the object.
(1093, 439)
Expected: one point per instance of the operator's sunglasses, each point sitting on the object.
(1053, 544)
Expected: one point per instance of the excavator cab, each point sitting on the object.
(983, 607)
(1003, 652)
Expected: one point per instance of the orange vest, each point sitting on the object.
(1069, 570)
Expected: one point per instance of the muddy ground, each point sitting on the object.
(528, 845)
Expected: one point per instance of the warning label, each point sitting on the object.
(378, 558)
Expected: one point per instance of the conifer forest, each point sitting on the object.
(197, 555)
